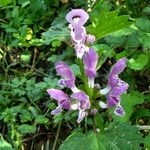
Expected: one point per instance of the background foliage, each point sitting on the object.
(33, 36)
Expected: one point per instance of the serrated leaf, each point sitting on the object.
(144, 39)
(55, 33)
(25, 115)
(133, 40)
(77, 140)
(142, 113)
(143, 24)
(117, 137)
(107, 22)
(115, 41)
(139, 63)
(125, 136)
(58, 31)
(27, 129)
(41, 119)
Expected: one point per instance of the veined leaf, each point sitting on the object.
(79, 141)
(58, 30)
(107, 22)
(27, 129)
(116, 137)
(125, 136)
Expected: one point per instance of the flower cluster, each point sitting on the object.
(80, 100)
(115, 87)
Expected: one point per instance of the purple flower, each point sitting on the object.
(113, 97)
(113, 78)
(62, 99)
(116, 87)
(77, 16)
(78, 36)
(119, 111)
(90, 60)
(83, 104)
(119, 66)
(66, 73)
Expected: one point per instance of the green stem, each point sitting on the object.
(87, 89)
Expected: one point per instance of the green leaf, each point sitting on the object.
(25, 115)
(141, 113)
(117, 137)
(143, 24)
(125, 136)
(76, 70)
(115, 41)
(133, 40)
(104, 52)
(58, 30)
(144, 39)
(147, 142)
(138, 63)
(27, 129)
(128, 101)
(5, 2)
(107, 22)
(4, 145)
(55, 33)
(41, 119)
(146, 10)
(77, 140)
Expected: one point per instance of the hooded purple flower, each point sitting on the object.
(113, 78)
(115, 88)
(77, 16)
(113, 97)
(62, 99)
(83, 104)
(90, 60)
(66, 73)
(78, 36)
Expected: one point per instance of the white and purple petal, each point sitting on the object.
(119, 111)
(62, 99)
(90, 60)
(56, 111)
(113, 80)
(66, 73)
(77, 16)
(113, 97)
(82, 114)
(82, 98)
